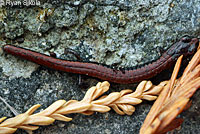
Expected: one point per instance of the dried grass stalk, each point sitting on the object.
(173, 99)
(121, 102)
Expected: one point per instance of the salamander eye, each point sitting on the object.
(183, 49)
(186, 39)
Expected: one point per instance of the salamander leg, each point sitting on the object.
(73, 52)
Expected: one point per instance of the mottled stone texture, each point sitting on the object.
(114, 32)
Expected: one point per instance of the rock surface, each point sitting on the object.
(121, 33)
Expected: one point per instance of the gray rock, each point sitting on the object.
(120, 33)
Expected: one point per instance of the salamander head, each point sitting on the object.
(187, 46)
